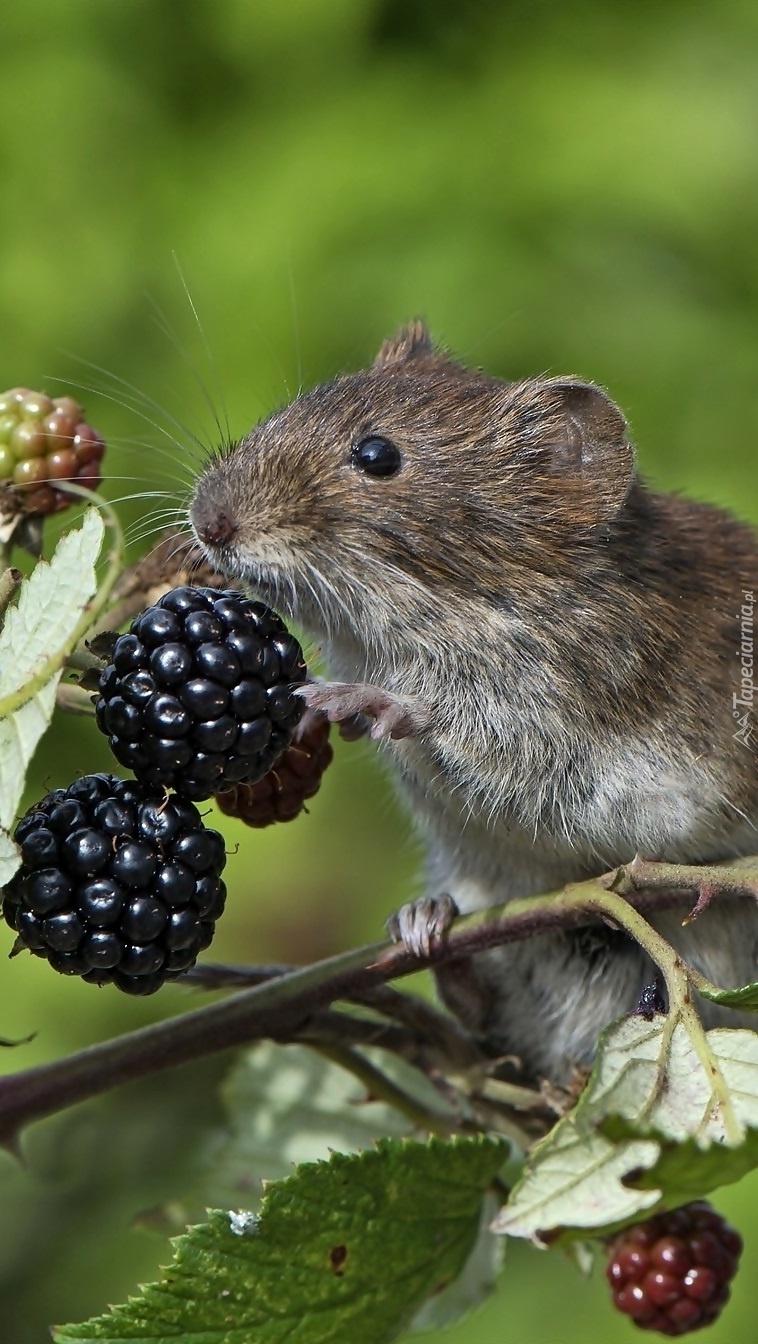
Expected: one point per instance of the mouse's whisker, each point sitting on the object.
(174, 457)
(223, 430)
(123, 393)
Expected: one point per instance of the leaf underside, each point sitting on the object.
(42, 622)
(650, 1132)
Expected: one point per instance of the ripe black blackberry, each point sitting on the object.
(119, 883)
(281, 795)
(672, 1273)
(199, 694)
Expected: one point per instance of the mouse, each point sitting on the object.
(553, 658)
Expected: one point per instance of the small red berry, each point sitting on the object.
(281, 794)
(672, 1274)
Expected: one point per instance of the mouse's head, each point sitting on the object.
(414, 482)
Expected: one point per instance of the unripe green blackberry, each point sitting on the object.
(45, 442)
(281, 795)
(119, 883)
(199, 694)
(672, 1274)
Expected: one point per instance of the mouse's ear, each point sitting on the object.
(589, 444)
(410, 342)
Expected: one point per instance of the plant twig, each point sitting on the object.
(438, 1030)
(278, 1007)
(385, 1089)
(73, 699)
(737, 879)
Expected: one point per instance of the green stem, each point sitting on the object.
(11, 703)
(679, 983)
(740, 878)
(379, 1086)
(73, 700)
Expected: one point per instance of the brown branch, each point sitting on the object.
(440, 1033)
(284, 1005)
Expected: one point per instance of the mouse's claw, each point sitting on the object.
(423, 925)
(393, 715)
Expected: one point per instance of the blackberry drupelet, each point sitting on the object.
(119, 883)
(199, 694)
(45, 442)
(672, 1273)
(281, 794)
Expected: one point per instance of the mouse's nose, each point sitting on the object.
(214, 523)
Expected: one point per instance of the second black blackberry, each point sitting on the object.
(199, 695)
(119, 883)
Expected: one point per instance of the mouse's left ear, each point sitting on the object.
(410, 342)
(589, 444)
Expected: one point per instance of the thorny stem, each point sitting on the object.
(441, 1033)
(739, 878)
(276, 1008)
(10, 703)
(679, 983)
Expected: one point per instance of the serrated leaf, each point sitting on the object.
(648, 1132)
(345, 1250)
(657, 1082)
(42, 622)
(286, 1105)
(573, 1184)
(686, 1171)
(473, 1285)
(19, 736)
(745, 998)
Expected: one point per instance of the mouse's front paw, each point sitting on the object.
(342, 702)
(423, 925)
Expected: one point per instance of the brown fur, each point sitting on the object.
(569, 637)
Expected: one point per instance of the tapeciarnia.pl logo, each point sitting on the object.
(743, 701)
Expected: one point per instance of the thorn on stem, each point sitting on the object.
(705, 894)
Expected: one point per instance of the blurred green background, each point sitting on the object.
(554, 187)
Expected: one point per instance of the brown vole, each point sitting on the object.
(552, 655)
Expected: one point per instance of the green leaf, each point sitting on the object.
(654, 1078)
(688, 1170)
(475, 1282)
(41, 624)
(573, 1184)
(345, 1250)
(745, 998)
(650, 1131)
(286, 1105)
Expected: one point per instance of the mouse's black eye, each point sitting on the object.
(377, 456)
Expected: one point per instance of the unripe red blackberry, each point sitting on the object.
(45, 442)
(119, 883)
(281, 795)
(199, 694)
(672, 1274)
